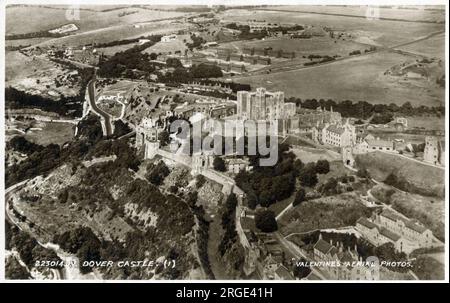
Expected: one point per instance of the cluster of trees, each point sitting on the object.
(22, 145)
(65, 106)
(119, 42)
(156, 173)
(197, 42)
(307, 174)
(265, 221)
(323, 60)
(247, 35)
(89, 141)
(83, 242)
(235, 87)
(228, 224)
(355, 52)
(28, 248)
(120, 128)
(128, 60)
(332, 186)
(300, 196)
(187, 75)
(219, 164)
(364, 110)
(40, 34)
(266, 185)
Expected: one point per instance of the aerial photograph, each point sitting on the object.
(215, 142)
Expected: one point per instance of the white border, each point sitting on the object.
(212, 2)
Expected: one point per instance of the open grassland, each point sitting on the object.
(417, 13)
(37, 75)
(430, 211)
(46, 18)
(427, 122)
(309, 154)
(421, 177)
(45, 133)
(326, 212)
(377, 32)
(316, 45)
(359, 78)
(113, 33)
(432, 47)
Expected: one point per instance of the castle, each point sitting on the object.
(263, 105)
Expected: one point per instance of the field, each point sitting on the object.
(428, 210)
(359, 78)
(426, 122)
(410, 13)
(37, 75)
(171, 46)
(376, 32)
(432, 47)
(316, 45)
(50, 133)
(380, 165)
(113, 33)
(327, 212)
(46, 18)
(308, 154)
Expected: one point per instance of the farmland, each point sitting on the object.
(38, 75)
(376, 32)
(403, 13)
(89, 20)
(317, 45)
(358, 78)
(433, 47)
(44, 133)
(113, 33)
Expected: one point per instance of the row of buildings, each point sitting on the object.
(347, 263)
(389, 227)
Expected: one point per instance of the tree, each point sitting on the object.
(322, 167)
(164, 138)
(298, 165)
(299, 196)
(219, 164)
(363, 173)
(308, 176)
(252, 200)
(301, 271)
(265, 221)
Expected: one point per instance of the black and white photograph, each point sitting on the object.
(224, 141)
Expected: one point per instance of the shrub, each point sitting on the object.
(265, 221)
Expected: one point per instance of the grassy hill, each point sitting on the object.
(420, 178)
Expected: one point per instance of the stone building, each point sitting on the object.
(147, 137)
(348, 265)
(335, 134)
(260, 105)
(434, 151)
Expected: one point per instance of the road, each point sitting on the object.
(295, 67)
(96, 109)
